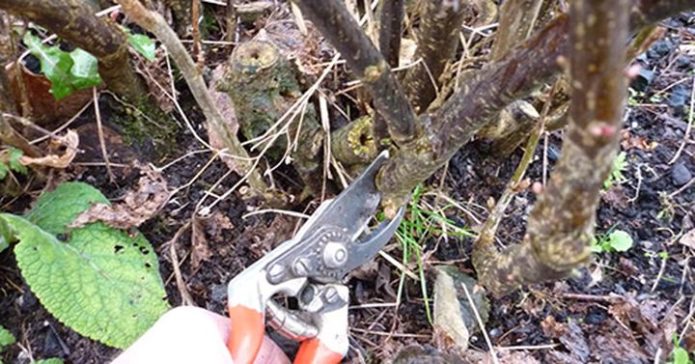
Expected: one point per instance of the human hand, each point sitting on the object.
(191, 335)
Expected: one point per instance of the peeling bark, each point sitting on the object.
(390, 29)
(337, 25)
(437, 40)
(560, 226)
(74, 21)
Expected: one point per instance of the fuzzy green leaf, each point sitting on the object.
(143, 45)
(620, 241)
(55, 210)
(85, 69)
(101, 282)
(6, 338)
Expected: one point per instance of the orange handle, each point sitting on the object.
(312, 351)
(246, 335)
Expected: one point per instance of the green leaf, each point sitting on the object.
(4, 236)
(49, 361)
(143, 45)
(680, 356)
(14, 163)
(85, 69)
(4, 170)
(101, 282)
(55, 210)
(55, 65)
(66, 71)
(6, 338)
(620, 241)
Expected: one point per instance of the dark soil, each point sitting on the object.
(575, 321)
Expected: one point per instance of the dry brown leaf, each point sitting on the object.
(576, 349)
(137, 207)
(650, 319)
(200, 251)
(688, 239)
(635, 141)
(616, 344)
(69, 141)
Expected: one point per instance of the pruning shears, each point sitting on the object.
(311, 267)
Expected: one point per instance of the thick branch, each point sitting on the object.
(521, 71)
(437, 40)
(561, 223)
(517, 19)
(74, 21)
(154, 23)
(338, 26)
(390, 28)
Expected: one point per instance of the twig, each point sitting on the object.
(686, 137)
(180, 283)
(481, 325)
(100, 132)
(685, 187)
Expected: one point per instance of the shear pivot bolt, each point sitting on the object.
(301, 267)
(276, 272)
(334, 255)
(331, 295)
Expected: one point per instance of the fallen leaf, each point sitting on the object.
(630, 141)
(650, 319)
(613, 343)
(200, 251)
(572, 338)
(137, 207)
(688, 239)
(69, 142)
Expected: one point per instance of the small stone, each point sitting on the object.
(660, 49)
(218, 293)
(679, 96)
(683, 62)
(680, 174)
